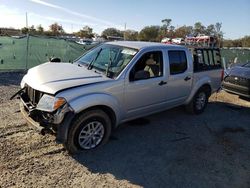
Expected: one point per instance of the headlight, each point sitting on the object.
(22, 83)
(50, 103)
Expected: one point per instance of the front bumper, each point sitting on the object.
(29, 120)
(61, 130)
(236, 89)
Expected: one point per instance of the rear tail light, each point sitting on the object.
(222, 75)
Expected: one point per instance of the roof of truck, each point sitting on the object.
(139, 45)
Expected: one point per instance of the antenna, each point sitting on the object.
(27, 44)
(26, 19)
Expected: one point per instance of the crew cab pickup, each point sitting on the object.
(113, 83)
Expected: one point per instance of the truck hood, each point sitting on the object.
(240, 71)
(53, 77)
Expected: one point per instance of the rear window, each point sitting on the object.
(206, 59)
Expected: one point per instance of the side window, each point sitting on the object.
(217, 58)
(177, 61)
(206, 58)
(150, 65)
(211, 57)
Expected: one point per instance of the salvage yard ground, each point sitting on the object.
(169, 149)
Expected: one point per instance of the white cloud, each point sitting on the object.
(15, 18)
(93, 19)
(60, 20)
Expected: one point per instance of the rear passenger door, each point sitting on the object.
(180, 77)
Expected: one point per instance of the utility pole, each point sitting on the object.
(27, 44)
(124, 34)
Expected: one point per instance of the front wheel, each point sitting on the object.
(90, 130)
(199, 102)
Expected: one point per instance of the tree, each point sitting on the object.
(40, 29)
(218, 32)
(199, 28)
(24, 30)
(242, 42)
(85, 32)
(112, 32)
(130, 35)
(183, 31)
(246, 41)
(166, 23)
(171, 31)
(56, 29)
(32, 30)
(149, 33)
(210, 30)
(165, 27)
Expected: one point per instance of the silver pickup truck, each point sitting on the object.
(113, 83)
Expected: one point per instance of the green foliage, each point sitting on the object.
(242, 42)
(245, 41)
(149, 33)
(183, 31)
(166, 23)
(131, 35)
(40, 29)
(85, 32)
(56, 29)
(112, 32)
(199, 28)
(24, 30)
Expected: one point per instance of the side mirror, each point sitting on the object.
(141, 75)
(55, 60)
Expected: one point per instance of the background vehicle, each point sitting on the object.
(237, 80)
(114, 83)
(178, 40)
(166, 40)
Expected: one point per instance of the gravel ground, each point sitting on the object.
(169, 149)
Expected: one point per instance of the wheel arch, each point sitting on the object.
(201, 84)
(108, 110)
(207, 87)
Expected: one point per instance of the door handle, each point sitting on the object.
(162, 83)
(187, 78)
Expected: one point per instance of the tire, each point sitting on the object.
(199, 102)
(89, 130)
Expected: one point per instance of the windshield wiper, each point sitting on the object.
(90, 66)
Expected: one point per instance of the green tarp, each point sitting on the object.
(14, 56)
(13, 51)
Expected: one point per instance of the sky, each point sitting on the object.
(136, 14)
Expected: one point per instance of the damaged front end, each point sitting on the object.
(44, 111)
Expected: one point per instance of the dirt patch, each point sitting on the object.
(173, 149)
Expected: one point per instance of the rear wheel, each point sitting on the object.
(199, 101)
(90, 130)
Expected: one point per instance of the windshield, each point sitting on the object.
(109, 59)
(247, 65)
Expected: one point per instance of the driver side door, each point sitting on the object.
(147, 94)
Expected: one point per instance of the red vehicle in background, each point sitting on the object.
(201, 38)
